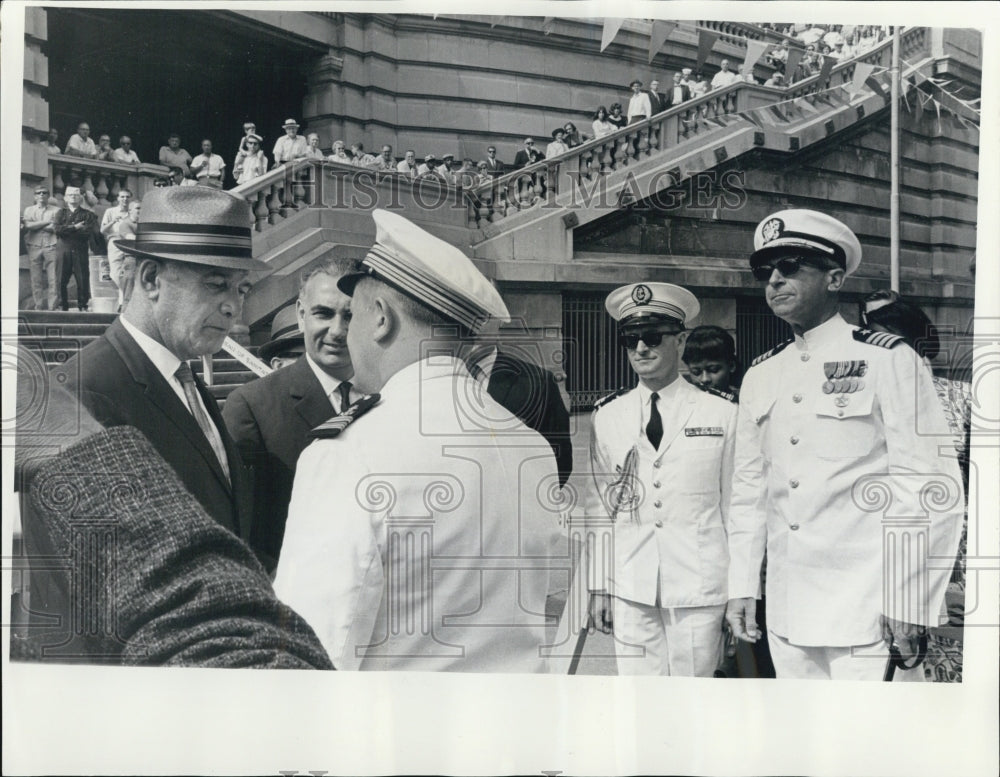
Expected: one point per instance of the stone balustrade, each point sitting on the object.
(101, 181)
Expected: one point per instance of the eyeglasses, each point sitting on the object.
(788, 266)
(651, 337)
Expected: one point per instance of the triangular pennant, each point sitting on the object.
(706, 39)
(824, 71)
(876, 86)
(805, 106)
(748, 116)
(755, 50)
(763, 116)
(792, 63)
(611, 28)
(547, 24)
(777, 112)
(862, 70)
(658, 36)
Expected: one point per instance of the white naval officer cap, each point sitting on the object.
(429, 270)
(639, 303)
(809, 231)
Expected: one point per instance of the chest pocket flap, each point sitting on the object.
(848, 430)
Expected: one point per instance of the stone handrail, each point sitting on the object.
(495, 200)
(101, 181)
(280, 192)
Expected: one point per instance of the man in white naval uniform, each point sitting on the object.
(821, 416)
(416, 539)
(661, 456)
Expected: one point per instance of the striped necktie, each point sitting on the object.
(186, 378)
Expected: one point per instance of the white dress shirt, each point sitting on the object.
(166, 364)
(331, 386)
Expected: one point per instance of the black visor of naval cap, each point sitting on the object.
(809, 233)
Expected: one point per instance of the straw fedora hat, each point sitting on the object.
(285, 331)
(195, 224)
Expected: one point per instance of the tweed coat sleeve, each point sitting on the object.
(177, 588)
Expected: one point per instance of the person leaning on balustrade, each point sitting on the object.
(124, 155)
(81, 144)
(251, 163)
(602, 124)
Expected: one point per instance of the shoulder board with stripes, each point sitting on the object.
(330, 429)
(881, 339)
(727, 395)
(777, 349)
(604, 400)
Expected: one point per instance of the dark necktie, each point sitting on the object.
(345, 395)
(654, 429)
(186, 378)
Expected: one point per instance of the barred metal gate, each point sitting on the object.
(757, 329)
(595, 364)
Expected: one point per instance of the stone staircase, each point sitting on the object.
(57, 336)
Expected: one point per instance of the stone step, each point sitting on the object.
(64, 317)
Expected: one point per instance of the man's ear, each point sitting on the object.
(681, 339)
(386, 319)
(837, 278)
(147, 276)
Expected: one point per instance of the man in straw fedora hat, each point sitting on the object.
(271, 418)
(431, 463)
(193, 253)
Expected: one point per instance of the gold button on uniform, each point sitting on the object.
(794, 527)
(805, 357)
(656, 484)
(793, 483)
(656, 463)
(796, 397)
(659, 524)
(657, 503)
(794, 440)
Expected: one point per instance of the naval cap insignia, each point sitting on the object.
(641, 294)
(772, 229)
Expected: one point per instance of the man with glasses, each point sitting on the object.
(821, 415)
(124, 155)
(661, 457)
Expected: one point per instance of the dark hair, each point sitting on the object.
(711, 342)
(615, 105)
(904, 319)
(597, 113)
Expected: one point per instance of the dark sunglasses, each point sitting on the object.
(788, 266)
(651, 337)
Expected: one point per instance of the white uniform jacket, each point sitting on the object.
(818, 416)
(672, 541)
(420, 538)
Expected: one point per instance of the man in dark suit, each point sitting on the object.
(165, 583)
(494, 167)
(529, 392)
(657, 100)
(271, 418)
(678, 93)
(528, 156)
(193, 253)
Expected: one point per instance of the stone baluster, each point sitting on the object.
(101, 190)
(116, 184)
(260, 211)
(58, 184)
(88, 186)
(273, 204)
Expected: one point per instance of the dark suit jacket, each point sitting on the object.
(494, 168)
(270, 419)
(521, 159)
(657, 101)
(668, 97)
(165, 584)
(120, 386)
(531, 393)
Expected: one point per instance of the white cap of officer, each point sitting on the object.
(647, 302)
(429, 270)
(800, 231)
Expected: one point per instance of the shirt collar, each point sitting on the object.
(823, 334)
(328, 382)
(667, 393)
(163, 359)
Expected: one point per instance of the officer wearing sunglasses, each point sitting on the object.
(821, 415)
(661, 458)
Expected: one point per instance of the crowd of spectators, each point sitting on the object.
(250, 162)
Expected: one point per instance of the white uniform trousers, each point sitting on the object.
(858, 662)
(678, 641)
